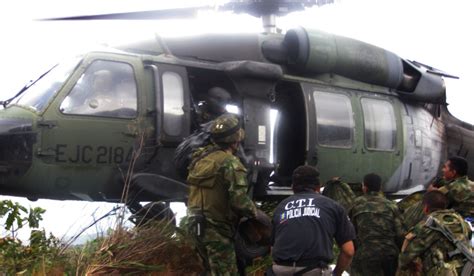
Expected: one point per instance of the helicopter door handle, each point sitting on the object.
(48, 124)
(46, 153)
(130, 133)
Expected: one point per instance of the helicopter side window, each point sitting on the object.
(173, 102)
(106, 89)
(335, 124)
(379, 124)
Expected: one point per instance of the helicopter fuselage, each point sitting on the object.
(113, 119)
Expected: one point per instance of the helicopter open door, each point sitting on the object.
(172, 119)
(290, 135)
(172, 104)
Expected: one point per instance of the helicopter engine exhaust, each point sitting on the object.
(316, 52)
(320, 52)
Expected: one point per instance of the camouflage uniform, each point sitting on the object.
(460, 193)
(380, 231)
(340, 192)
(432, 247)
(413, 215)
(218, 190)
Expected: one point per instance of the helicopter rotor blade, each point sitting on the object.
(138, 15)
(257, 8)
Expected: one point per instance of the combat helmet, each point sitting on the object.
(217, 99)
(227, 129)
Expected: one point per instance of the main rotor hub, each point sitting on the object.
(268, 10)
(259, 8)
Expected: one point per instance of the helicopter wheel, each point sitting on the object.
(153, 211)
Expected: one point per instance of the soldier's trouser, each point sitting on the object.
(219, 252)
(381, 267)
(282, 270)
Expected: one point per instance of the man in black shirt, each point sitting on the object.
(305, 226)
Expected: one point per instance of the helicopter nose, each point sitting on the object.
(16, 151)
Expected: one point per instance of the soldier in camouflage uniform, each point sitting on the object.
(214, 105)
(413, 215)
(457, 187)
(218, 196)
(379, 229)
(425, 251)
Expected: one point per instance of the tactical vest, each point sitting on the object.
(208, 191)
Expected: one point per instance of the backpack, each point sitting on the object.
(184, 152)
(449, 268)
(442, 268)
(339, 192)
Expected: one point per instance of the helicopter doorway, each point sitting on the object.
(290, 131)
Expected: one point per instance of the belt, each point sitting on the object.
(317, 263)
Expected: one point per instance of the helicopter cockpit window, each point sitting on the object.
(106, 89)
(379, 123)
(42, 90)
(334, 118)
(173, 102)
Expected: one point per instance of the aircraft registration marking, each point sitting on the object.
(87, 154)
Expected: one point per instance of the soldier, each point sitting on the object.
(218, 196)
(305, 226)
(457, 187)
(379, 229)
(214, 105)
(426, 249)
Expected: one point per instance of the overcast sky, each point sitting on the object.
(437, 33)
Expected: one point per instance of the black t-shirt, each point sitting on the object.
(305, 226)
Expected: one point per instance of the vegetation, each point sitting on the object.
(153, 248)
(156, 247)
(38, 255)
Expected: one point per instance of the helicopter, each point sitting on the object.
(348, 112)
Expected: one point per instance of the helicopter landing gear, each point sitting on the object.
(153, 211)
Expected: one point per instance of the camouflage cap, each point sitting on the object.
(227, 129)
